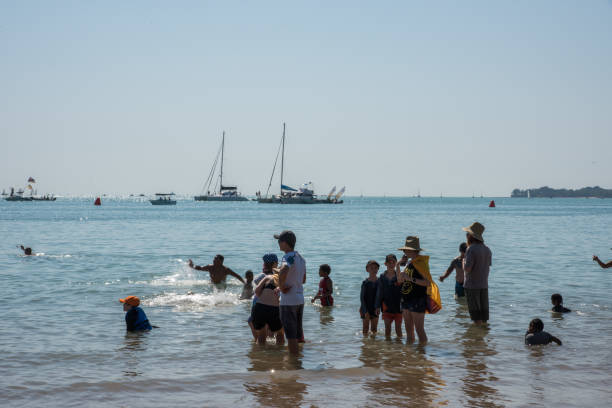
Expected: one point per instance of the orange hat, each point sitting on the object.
(131, 300)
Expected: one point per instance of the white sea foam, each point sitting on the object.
(195, 301)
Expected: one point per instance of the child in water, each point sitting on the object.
(557, 301)
(537, 336)
(135, 317)
(326, 287)
(457, 265)
(389, 297)
(247, 289)
(369, 287)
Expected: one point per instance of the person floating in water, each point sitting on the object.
(457, 265)
(603, 265)
(537, 336)
(326, 287)
(135, 317)
(557, 301)
(218, 272)
(26, 250)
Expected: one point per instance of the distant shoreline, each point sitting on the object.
(547, 192)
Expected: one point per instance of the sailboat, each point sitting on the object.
(302, 195)
(225, 193)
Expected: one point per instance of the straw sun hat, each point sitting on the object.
(412, 244)
(475, 230)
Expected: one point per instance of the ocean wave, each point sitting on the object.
(194, 301)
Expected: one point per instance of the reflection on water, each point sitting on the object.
(407, 376)
(478, 381)
(325, 316)
(280, 385)
(134, 344)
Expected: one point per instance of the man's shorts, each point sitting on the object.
(459, 291)
(291, 318)
(396, 317)
(266, 314)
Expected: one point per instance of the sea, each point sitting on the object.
(63, 340)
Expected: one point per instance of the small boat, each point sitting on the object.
(48, 197)
(163, 199)
(17, 196)
(225, 193)
(289, 195)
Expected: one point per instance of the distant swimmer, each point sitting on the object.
(603, 265)
(26, 250)
(218, 272)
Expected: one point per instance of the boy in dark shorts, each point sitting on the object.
(457, 265)
(326, 287)
(537, 336)
(557, 301)
(389, 297)
(135, 317)
(369, 287)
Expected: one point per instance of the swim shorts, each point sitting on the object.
(291, 318)
(266, 314)
(459, 291)
(416, 305)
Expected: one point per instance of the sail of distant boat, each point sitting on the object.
(340, 193)
(333, 190)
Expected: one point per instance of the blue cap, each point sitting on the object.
(270, 258)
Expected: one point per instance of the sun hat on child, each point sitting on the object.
(131, 300)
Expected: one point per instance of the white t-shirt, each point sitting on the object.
(295, 277)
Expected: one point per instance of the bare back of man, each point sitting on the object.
(218, 272)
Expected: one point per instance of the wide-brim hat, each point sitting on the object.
(475, 230)
(412, 244)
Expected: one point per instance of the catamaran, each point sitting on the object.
(225, 193)
(302, 195)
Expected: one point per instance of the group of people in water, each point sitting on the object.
(404, 292)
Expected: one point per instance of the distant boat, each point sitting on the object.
(17, 196)
(302, 195)
(163, 199)
(225, 193)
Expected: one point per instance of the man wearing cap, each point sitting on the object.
(135, 317)
(292, 276)
(218, 271)
(476, 273)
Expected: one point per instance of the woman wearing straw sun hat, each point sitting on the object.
(417, 286)
(476, 273)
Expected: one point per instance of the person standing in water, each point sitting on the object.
(476, 273)
(414, 288)
(457, 265)
(292, 276)
(218, 272)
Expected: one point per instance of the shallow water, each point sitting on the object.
(63, 340)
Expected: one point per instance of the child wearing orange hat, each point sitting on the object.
(135, 317)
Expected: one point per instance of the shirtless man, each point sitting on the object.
(218, 272)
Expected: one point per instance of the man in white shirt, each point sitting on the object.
(292, 276)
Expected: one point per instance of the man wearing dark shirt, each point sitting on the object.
(476, 273)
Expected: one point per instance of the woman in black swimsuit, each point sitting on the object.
(266, 310)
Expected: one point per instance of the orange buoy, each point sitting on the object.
(492, 204)
(98, 201)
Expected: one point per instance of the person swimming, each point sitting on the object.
(26, 250)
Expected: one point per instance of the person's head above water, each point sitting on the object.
(463, 247)
(28, 251)
(324, 270)
(536, 326)
(556, 299)
(286, 240)
(218, 259)
(130, 302)
(249, 276)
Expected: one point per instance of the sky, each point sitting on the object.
(386, 98)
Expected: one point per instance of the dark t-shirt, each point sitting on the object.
(411, 290)
(478, 257)
(539, 338)
(368, 296)
(389, 293)
(560, 309)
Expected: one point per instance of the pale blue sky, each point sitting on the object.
(449, 97)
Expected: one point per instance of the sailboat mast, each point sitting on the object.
(282, 161)
(221, 174)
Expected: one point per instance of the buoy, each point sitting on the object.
(492, 204)
(98, 201)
